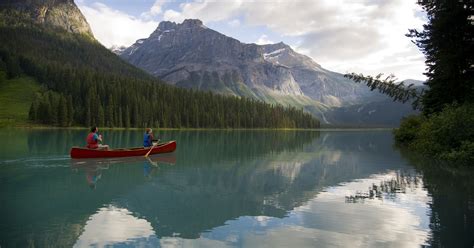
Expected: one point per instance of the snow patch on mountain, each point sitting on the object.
(273, 54)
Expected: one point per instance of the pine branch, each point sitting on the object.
(388, 86)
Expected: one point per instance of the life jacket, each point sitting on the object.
(147, 140)
(91, 143)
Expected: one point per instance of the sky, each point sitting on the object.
(363, 36)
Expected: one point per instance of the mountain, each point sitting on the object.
(414, 82)
(62, 14)
(384, 113)
(191, 55)
(46, 47)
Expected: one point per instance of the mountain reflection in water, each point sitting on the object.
(227, 188)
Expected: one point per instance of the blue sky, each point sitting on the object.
(345, 36)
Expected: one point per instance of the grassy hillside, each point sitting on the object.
(16, 96)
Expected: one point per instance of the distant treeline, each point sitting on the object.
(85, 84)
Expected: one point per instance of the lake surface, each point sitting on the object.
(230, 188)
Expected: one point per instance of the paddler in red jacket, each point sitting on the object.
(94, 138)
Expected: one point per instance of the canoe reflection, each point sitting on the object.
(93, 167)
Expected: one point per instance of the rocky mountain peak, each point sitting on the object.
(62, 14)
(188, 23)
(276, 46)
(166, 25)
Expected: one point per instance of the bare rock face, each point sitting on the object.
(193, 56)
(63, 14)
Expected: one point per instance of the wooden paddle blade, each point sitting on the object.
(148, 153)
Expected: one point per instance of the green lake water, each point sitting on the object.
(230, 189)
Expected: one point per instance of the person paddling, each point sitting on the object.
(148, 138)
(94, 138)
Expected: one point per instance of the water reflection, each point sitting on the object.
(115, 226)
(387, 189)
(230, 189)
(326, 221)
(452, 207)
(92, 168)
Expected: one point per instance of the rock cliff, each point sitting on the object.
(63, 14)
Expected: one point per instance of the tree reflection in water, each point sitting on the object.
(452, 208)
(387, 189)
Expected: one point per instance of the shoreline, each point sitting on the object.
(328, 129)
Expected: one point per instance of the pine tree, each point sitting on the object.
(135, 116)
(101, 116)
(109, 115)
(70, 111)
(120, 119)
(47, 112)
(127, 117)
(447, 42)
(62, 112)
(53, 108)
(33, 113)
(388, 86)
(88, 116)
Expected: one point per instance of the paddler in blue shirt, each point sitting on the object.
(148, 138)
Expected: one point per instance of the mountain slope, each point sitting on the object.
(384, 113)
(82, 83)
(190, 55)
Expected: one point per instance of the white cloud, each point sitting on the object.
(210, 10)
(263, 40)
(113, 27)
(364, 36)
(234, 23)
(173, 16)
(154, 11)
(339, 34)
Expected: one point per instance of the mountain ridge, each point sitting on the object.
(188, 53)
(191, 55)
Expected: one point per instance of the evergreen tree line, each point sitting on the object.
(81, 88)
(447, 41)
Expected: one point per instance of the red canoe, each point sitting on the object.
(82, 152)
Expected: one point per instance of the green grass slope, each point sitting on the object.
(16, 96)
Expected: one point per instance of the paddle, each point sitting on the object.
(105, 147)
(146, 155)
